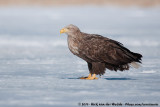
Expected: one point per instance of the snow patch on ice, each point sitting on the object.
(147, 72)
(31, 43)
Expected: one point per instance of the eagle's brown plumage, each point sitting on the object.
(100, 52)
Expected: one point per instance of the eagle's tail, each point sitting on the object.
(135, 64)
(134, 60)
(129, 59)
(136, 57)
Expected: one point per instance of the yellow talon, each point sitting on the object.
(92, 77)
(86, 77)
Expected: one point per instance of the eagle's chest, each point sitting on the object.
(73, 45)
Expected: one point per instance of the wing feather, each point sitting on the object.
(97, 48)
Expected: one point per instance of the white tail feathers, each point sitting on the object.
(135, 64)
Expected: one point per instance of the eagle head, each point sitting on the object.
(70, 29)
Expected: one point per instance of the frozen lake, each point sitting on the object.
(37, 69)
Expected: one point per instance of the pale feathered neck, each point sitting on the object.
(75, 35)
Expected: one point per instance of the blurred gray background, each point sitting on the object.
(38, 70)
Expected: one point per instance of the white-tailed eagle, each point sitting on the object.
(100, 52)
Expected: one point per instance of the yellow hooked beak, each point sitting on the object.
(63, 30)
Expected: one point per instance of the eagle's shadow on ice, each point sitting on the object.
(119, 79)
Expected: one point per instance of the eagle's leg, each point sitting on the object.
(92, 77)
(86, 77)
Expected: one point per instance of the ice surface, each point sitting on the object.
(37, 69)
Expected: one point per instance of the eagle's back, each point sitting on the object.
(90, 46)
